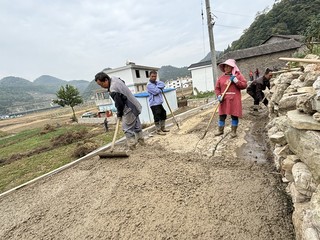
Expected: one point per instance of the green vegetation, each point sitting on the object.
(3, 134)
(312, 35)
(26, 95)
(170, 72)
(69, 96)
(35, 152)
(286, 17)
(207, 94)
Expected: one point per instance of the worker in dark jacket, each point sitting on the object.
(128, 107)
(256, 88)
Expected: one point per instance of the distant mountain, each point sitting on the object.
(49, 81)
(14, 82)
(19, 94)
(81, 85)
(55, 83)
(13, 90)
(208, 57)
(170, 72)
(89, 92)
(21, 84)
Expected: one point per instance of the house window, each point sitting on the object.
(147, 74)
(137, 73)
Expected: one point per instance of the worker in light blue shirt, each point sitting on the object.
(154, 89)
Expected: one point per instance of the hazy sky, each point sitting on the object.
(75, 39)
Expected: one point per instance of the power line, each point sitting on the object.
(232, 13)
(228, 26)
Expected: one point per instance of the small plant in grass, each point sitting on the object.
(70, 137)
(3, 134)
(85, 147)
(203, 95)
(47, 128)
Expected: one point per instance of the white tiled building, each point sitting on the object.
(179, 83)
(135, 76)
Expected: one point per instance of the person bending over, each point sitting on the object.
(256, 88)
(128, 107)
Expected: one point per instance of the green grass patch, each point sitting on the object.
(3, 134)
(203, 95)
(26, 168)
(32, 139)
(23, 170)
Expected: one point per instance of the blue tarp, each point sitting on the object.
(146, 94)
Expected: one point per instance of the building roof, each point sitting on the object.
(130, 66)
(199, 64)
(146, 94)
(260, 50)
(298, 38)
(263, 49)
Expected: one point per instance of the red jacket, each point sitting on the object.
(231, 104)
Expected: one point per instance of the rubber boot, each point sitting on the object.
(220, 131)
(163, 126)
(255, 111)
(131, 142)
(234, 131)
(158, 129)
(141, 139)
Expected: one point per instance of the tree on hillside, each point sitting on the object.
(68, 96)
(312, 34)
(289, 17)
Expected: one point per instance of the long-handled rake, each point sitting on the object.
(215, 110)
(165, 98)
(111, 153)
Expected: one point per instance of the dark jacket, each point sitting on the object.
(257, 86)
(127, 105)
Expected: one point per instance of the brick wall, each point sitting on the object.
(262, 62)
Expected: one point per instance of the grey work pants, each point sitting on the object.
(130, 130)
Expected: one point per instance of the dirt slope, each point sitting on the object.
(171, 189)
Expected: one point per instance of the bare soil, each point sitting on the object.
(176, 187)
(41, 119)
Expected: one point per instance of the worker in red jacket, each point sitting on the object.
(230, 104)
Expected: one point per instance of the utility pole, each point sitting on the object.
(210, 23)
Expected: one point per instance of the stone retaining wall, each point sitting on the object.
(294, 134)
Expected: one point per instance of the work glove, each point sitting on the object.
(233, 79)
(220, 98)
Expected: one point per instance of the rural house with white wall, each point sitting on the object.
(135, 76)
(260, 57)
(179, 83)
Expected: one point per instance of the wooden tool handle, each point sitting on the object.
(215, 110)
(165, 98)
(115, 134)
